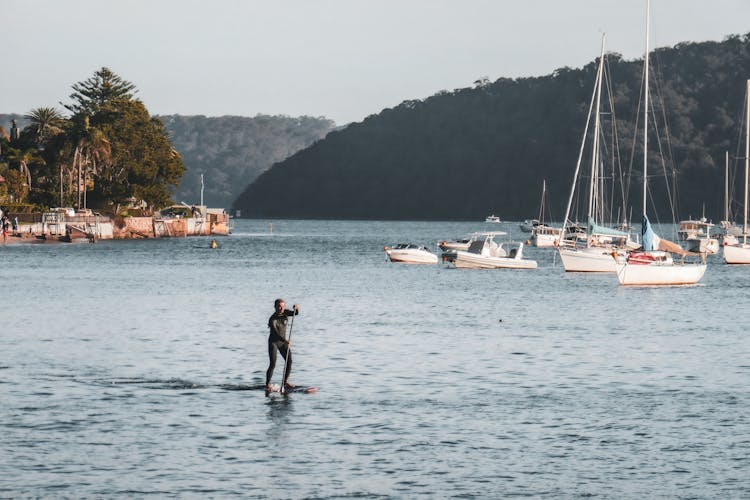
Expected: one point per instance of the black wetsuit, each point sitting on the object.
(277, 341)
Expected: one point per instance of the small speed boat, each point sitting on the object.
(485, 253)
(410, 253)
(494, 219)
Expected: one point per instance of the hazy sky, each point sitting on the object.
(343, 59)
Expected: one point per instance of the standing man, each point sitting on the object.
(277, 341)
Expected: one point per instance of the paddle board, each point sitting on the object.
(289, 390)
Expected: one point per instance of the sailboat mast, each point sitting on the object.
(747, 159)
(541, 207)
(726, 186)
(645, 108)
(580, 153)
(593, 184)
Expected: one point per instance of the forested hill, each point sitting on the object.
(470, 152)
(230, 151)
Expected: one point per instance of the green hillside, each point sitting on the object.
(466, 153)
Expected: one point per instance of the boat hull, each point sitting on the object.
(411, 257)
(545, 240)
(657, 274)
(737, 254)
(588, 260)
(467, 260)
(703, 245)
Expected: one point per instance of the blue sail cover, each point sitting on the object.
(604, 231)
(650, 239)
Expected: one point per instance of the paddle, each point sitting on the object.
(282, 388)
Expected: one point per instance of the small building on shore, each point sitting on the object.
(68, 225)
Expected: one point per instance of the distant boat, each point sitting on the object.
(697, 236)
(740, 252)
(410, 253)
(542, 235)
(493, 219)
(729, 229)
(654, 265)
(528, 225)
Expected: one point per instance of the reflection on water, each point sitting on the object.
(131, 368)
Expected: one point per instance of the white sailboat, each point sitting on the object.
(740, 253)
(654, 265)
(729, 230)
(542, 235)
(594, 252)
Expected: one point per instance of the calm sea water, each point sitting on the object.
(134, 367)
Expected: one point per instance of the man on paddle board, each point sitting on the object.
(277, 341)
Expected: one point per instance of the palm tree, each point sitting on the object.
(92, 151)
(25, 158)
(46, 123)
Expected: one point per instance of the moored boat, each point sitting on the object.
(544, 236)
(739, 253)
(458, 244)
(653, 266)
(528, 225)
(410, 253)
(485, 253)
(697, 236)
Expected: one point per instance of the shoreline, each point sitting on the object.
(58, 227)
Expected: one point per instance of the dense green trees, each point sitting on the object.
(473, 151)
(109, 153)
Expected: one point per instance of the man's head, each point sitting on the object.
(279, 305)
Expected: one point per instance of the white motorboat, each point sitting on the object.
(703, 245)
(494, 219)
(410, 253)
(485, 253)
(463, 243)
(697, 236)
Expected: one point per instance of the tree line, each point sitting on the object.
(484, 149)
(109, 153)
(228, 151)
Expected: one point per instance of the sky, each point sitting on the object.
(340, 59)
